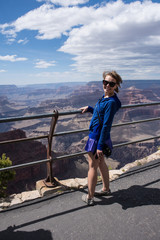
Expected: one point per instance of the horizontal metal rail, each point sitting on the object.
(136, 141)
(47, 115)
(72, 155)
(114, 125)
(23, 139)
(3, 120)
(24, 165)
(140, 105)
(20, 118)
(135, 122)
(74, 131)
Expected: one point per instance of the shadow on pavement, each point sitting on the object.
(44, 219)
(133, 197)
(10, 234)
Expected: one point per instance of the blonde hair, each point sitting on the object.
(114, 75)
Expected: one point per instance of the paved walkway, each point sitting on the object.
(131, 213)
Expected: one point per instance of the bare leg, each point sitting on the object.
(92, 174)
(104, 174)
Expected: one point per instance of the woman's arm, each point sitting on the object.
(107, 123)
(87, 109)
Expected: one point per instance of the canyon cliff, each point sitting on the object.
(20, 153)
(31, 101)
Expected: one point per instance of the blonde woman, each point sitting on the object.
(99, 136)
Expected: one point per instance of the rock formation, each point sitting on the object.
(20, 153)
(30, 101)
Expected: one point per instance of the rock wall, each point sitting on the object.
(20, 153)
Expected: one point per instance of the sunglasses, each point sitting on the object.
(111, 84)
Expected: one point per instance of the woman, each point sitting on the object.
(100, 127)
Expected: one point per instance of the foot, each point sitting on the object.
(102, 193)
(90, 202)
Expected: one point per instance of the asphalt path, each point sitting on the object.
(131, 213)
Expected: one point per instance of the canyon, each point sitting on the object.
(31, 100)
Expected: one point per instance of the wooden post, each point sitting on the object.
(50, 180)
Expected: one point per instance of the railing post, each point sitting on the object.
(50, 180)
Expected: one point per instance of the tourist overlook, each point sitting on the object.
(45, 141)
(76, 77)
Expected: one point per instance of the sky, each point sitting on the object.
(51, 41)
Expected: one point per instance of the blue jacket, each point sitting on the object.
(106, 107)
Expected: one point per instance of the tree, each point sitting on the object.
(5, 176)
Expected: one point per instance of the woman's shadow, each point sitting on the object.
(133, 197)
(40, 234)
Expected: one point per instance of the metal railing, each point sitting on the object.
(50, 180)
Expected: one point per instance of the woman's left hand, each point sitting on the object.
(84, 109)
(99, 153)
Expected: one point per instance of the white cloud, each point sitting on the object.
(121, 36)
(8, 29)
(50, 22)
(10, 41)
(66, 76)
(113, 35)
(12, 58)
(43, 64)
(22, 41)
(2, 71)
(65, 2)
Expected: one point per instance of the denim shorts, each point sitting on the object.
(91, 145)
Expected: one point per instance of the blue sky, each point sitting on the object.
(47, 41)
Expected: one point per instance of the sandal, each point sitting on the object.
(102, 193)
(90, 202)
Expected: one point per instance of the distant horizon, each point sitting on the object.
(71, 82)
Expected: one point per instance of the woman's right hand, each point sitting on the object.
(84, 109)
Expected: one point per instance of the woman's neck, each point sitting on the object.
(108, 95)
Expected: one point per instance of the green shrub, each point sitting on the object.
(109, 168)
(5, 176)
